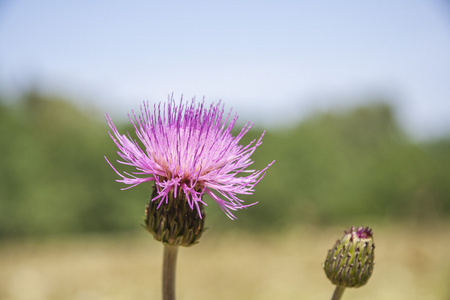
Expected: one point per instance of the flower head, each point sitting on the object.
(189, 149)
(350, 262)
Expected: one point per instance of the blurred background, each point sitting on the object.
(354, 97)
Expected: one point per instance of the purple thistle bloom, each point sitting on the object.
(360, 232)
(189, 149)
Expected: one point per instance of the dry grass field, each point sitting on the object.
(410, 264)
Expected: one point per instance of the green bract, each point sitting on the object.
(175, 223)
(350, 262)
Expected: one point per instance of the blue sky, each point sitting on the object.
(290, 58)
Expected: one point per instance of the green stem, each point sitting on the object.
(168, 276)
(338, 292)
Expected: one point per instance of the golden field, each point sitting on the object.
(411, 263)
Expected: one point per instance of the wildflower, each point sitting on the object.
(188, 151)
(350, 262)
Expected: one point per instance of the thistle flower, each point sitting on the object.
(188, 150)
(350, 262)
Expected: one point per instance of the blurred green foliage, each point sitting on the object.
(354, 166)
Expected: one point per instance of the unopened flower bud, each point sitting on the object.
(350, 262)
(174, 223)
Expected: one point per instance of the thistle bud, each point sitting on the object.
(350, 262)
(174, 223)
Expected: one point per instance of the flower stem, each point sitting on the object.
(168, 276)
(338, 292)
